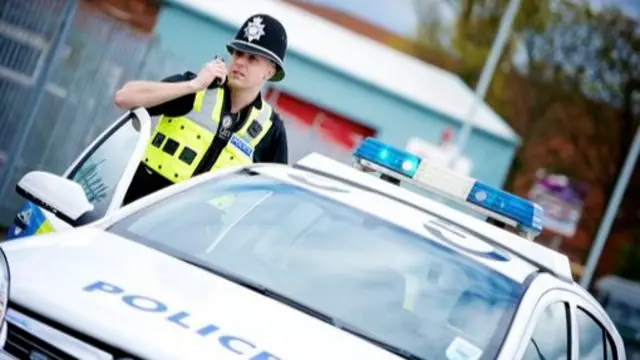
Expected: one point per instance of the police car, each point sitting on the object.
(318, 260)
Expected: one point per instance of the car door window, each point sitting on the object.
(593, 339)
(550, 338)
(100, 171)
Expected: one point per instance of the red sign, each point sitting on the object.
(339, 129)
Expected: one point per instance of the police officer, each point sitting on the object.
(205, 126)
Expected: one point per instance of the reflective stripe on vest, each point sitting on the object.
(178, 144)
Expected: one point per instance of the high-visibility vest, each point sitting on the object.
(178, 144)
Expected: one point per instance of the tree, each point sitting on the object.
(597, 56)
(89, 178)
(567, 80)
(629, 266)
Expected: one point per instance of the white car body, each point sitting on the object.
(63, 294)
(154, 306)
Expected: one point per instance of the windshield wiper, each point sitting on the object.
(261, 289)
(370, 338)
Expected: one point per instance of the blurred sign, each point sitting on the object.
(562, 200)
(442, 154)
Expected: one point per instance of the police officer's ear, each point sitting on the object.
(271, 72)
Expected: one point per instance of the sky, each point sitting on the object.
(399, 15)
(396, 15)
(631, 7)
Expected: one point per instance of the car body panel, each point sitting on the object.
(136, 298)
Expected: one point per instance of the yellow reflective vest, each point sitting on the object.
(178, 144)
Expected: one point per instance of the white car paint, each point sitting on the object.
(46, 278)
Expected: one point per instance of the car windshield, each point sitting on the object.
(396, 286)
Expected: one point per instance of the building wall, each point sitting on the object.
(394, 119)
(139, 14)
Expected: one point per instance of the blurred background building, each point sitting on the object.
(345, 85)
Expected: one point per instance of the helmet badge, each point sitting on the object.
(254, 29)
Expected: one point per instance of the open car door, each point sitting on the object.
(104, 170)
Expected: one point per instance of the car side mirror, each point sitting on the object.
(63, 197)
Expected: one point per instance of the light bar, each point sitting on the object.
(389, 157)
(523, 214)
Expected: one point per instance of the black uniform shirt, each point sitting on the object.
(272, 148)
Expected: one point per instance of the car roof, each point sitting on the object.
(398, 213)
(543, 258)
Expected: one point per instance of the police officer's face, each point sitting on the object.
(249, 71)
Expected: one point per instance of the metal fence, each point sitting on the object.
(60, 63)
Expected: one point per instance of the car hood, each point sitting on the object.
(144, 302)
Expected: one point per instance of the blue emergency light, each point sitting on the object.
(495, 203)
(393, 159)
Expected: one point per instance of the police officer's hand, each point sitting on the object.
(215, 69)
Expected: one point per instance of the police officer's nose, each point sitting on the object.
(242, 61)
